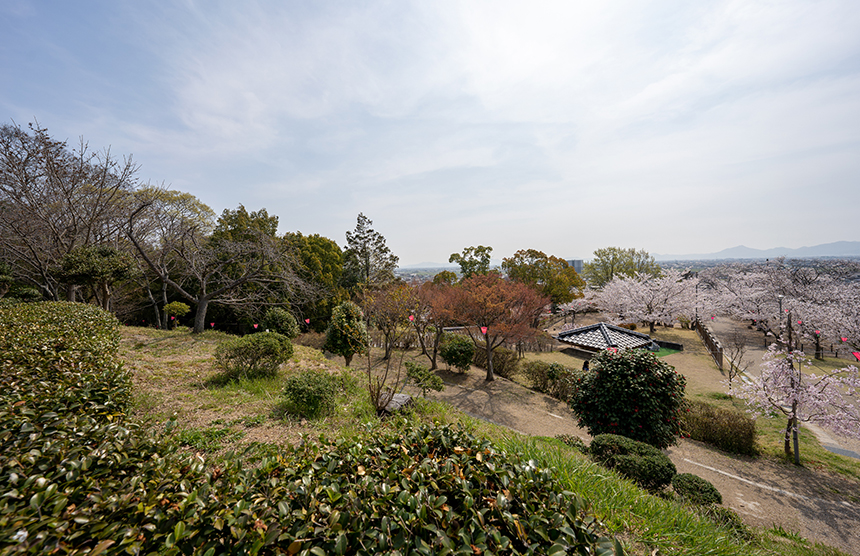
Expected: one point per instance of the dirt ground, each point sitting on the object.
(819, 506)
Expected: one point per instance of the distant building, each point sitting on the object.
(576, 264)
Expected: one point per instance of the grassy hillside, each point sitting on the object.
(176, 381)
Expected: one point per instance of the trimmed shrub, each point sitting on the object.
(281, 321)
(640, 462)
(311, 393)
(61, 358)
(457, 351)
(696, 490)
(537, 372)
(253, 356)
(424, 378)
(506, 362)
(727, 429)
(550, 378)
(631, 393)
(346, 334)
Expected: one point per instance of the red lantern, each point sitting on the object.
(212, 324)
(255, 326)
(411, 318)
(484, 330)
(307, 321)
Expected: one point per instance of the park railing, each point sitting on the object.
(710, 341)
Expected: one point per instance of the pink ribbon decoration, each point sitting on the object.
(411, 318)
(307, 321)
(212, 324)
(484, 330)
(255, 326)
(844, 339)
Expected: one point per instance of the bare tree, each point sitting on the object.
(53, 200)
(735, 349)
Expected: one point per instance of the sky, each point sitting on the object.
(671, 126)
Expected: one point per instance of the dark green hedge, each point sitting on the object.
(642, 463)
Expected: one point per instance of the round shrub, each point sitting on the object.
(696, 490)
(631, 393)
(640, 462)
(311, 393)
(281, 321)
(253, 356)
(457, 351)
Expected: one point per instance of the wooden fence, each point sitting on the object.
(713, 345)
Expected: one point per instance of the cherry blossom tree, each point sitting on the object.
(645, 298)
(827, 399)
(820, 294)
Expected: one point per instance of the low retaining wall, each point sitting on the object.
(669, 345)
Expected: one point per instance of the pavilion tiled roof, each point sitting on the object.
(600, 336)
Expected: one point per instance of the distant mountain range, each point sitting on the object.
(837, 249)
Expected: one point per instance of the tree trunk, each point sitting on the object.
(200, 316)
(490, 375)
(348, 359)
(164, 317)
(651, 327)
(105, 295)
(787, 446)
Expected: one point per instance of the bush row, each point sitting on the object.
(550, 378)
(727, 429)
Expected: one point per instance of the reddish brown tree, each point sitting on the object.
(496, 311)
(388, 309)
(435, 309)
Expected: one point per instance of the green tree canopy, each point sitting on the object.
(473, 260)
(98, 266)
(551, 276)
(368, 261)
(241, 225)
(320, 263)
(610, 262)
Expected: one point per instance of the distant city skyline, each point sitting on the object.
(669, 126)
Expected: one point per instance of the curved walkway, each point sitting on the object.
(819, 506)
